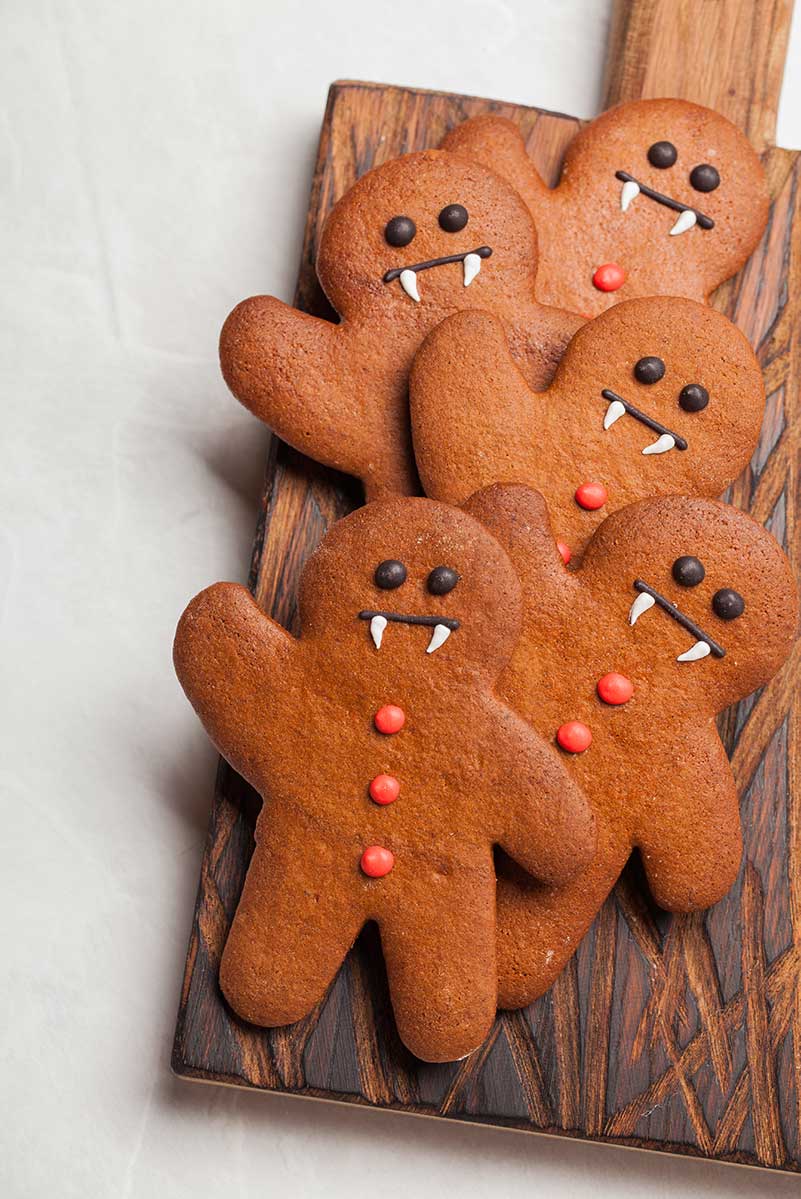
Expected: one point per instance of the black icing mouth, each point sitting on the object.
(443, 626)
(415, 267)
(612, 414)
(704, 644)
(701, 219)
(399, 618)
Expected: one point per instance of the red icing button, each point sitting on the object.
(574, 737)
(389, 719)
(609, 277)
(377, 861)
(384, 789)
(615, 688)
(564, 550)
(591, 496)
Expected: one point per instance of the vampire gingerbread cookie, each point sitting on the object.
(681, 607)
(388, 766)
(414, 240)
(655, 396)
(656, 197)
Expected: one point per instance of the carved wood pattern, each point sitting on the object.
(681, 1034)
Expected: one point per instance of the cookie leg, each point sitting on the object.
(689, 833)
(439, 948)
(691, 866)
(292, 930)
(540, 927)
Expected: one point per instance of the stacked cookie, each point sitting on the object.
(504, 687)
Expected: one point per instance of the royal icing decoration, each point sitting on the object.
(400, 231)
(688, 571)
(728, 604)
(668, 439)
(687, 217)
(574, 737)
(389, 719)
(384, 789)
(376, 861)
(615, 688)
(407, 275)
(648, 597)
(591, 496)
(442, 626)
(609, 277)
(453, 218)
(442, 580)
(389, 574)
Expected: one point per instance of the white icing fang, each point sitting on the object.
(408, 281)
(695, 653)
(643, 602)
(628, 192)
(377, 626)
(438, 637)
(685, 221)
(472, 265)
(613, 413)
(662, 444)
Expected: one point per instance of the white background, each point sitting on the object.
(155, 163)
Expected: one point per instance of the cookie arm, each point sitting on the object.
(518, 517)
(472, 410)
(689, 834)
(544, 820)
(233, 662)
(497, 143)
(295, 372)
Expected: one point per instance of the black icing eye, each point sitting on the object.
(400, 230)
(693, 397)
(662, 155)
(688, 571)
(704, 178)
(453, 218)
(389, 574)
(649, 370)
(442, 580)
(728, 604)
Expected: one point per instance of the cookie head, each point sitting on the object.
(666, 394)
(679, 174)
(412, 586)
(421, 230)
(701, 590)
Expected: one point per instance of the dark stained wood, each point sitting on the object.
(676, 1034)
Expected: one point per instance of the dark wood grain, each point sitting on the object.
(677, 1034)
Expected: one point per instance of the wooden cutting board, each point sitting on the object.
(679, 1034)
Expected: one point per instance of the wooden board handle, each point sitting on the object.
(727, 54)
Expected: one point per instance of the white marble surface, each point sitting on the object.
(155, 161)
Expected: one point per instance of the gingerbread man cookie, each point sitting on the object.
(388, 766)
(414, 240)
(681, 607)
(654, 397)
(656, 197)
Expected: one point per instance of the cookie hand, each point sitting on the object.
(232, 661)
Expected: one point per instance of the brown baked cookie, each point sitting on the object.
(388, 767)
(682, 606)
(655, 397)
(414, 240)
(656, 197)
